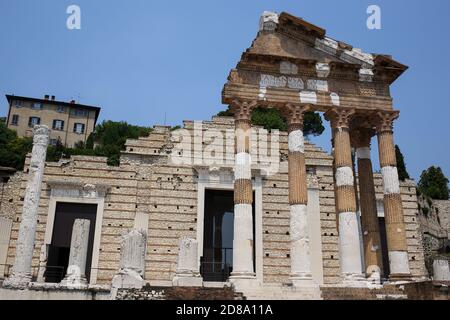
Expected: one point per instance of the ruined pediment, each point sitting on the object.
(292, 54)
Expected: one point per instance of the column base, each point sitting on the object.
(373, 274)
(354, 280)
(18, 280)
(187, 280)
(128, 279)
(242, 281)
(400, 278)
(303, 281)
(74, 282)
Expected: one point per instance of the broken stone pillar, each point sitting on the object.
(132, 261)
(188, 274)
(441, 270)
(21, 271)
(76, 272)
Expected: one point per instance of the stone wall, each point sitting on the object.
(147, 191)
(10, 194)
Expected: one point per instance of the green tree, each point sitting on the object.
(109, 139)
(401, 166)
(271, 118)
(434, 184)
(13, 149)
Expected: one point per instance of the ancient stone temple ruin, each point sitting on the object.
(223, 204)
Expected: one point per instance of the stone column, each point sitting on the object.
(21, 272)
(441, 270)
(368, 206)
(243, 194)
(76, 272)
(132, 260)
(393, 208)
(349, 242)
(188, 270)
(301, 274)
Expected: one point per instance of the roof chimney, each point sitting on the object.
(72, 101)
(53, 98)
(46, 97)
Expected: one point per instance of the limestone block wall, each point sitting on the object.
(149, 192)
(10, 194)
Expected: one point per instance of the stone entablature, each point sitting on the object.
(76, 189)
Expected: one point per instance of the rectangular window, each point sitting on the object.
(53, 142)
(81, 113)
(60, 109)
(78, 128)
(34, 121)
(58, 125)
(15, 120)
(37, 106)
(17, 104)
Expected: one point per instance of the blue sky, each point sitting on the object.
(142, 60)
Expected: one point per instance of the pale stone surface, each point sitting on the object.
(188, 269)
(5, 234)
(308, 97)
(287, 67)
(344, 177)
(268, 81)
(349, 246)
(21, 272)
(398, 262)
(363, 153)
(76, 272)
(296, 141)
(391, 183)
(132, 260)
(243, 166)
(441, 271)
(335, 99)
(323, 69)
(243, 240)
(301, 275)
(268, 21)
(365, 75)
(317, 85)
(262, 93)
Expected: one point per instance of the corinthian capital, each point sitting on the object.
(339, 118)
(294, 114)
(242, 109)
(385, 120)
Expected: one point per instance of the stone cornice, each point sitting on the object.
(77, 189)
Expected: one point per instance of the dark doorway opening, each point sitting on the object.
(384, 248)
(59, 249)
(217, 260)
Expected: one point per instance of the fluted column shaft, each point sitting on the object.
(243, 242)
(298, 199)
(393, 208)
(368, 206)
(349, 244)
